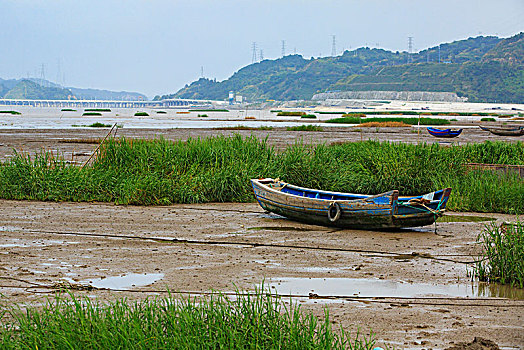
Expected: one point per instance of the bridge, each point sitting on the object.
(105, 104)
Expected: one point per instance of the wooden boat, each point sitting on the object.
(516, 130)
(447, 133)
(347, 210)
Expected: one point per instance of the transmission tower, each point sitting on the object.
(410, 49)
(254, 58)
(334, 46)
(42, 74)
(201, 71)
(58, 72)
(283, 48)
(261, 55)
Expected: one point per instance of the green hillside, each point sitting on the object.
(27, 89)
(481, 69)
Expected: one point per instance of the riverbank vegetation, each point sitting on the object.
(218, 169)
(257, 321)
(141, 114)
(87, 114)
(503, 254)
(305, 128)
(10, 112)
(97, 110)
(349, 119)
(290, 114)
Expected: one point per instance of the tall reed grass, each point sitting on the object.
(258, 321)
(503, 254)
(350, 119)
(218, 169)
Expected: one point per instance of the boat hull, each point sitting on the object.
(444, 133)
(382, 211)
(511, 131)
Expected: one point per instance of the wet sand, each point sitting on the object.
(240, 246)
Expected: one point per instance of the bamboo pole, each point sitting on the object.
(99, 145)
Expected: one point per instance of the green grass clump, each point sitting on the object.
(308, 116)
(161, 112)
(97, 110)
(68, 110)
(305, 128)
(256, 321)
(503, 254)
(141, 114)
(290, 114)
(218, 169)
(10, 112)
(487, 119)
(202, 116)
(406, 120)
(275, 110)
(208, 110)
(91, 114)
(99, 125)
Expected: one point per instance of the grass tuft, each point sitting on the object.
(406, 120)
(503, 254)
(141, 114)
(10, 112)
(256, 321)
(305, 128)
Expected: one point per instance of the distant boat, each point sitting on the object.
(447, 133)
(505, 130)
(347, 210)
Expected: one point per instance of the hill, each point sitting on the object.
(35, 88)
(481, 69)
(27, 89)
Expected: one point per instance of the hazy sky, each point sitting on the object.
(157, 46)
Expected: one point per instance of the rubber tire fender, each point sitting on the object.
(336, 207)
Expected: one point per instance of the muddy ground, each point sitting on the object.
(42, 244)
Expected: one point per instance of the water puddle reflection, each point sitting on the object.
(380, 288)
(281, 228)
(126, 281)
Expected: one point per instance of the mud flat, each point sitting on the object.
(410, 287)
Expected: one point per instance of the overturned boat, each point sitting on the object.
(517, 130)
(346, 210)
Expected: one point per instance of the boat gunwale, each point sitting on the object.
(400, 199)
(385, 194)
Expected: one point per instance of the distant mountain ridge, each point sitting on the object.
(40, 89)
(485, 68)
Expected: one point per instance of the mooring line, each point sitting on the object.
(256, 244)
(403, 301)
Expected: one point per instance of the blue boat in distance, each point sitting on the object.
(446, 133)
(347, 210)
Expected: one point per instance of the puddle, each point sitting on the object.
(10, 228)
(380, 288)
(464, 218)
(281, 228)
(126, 281)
